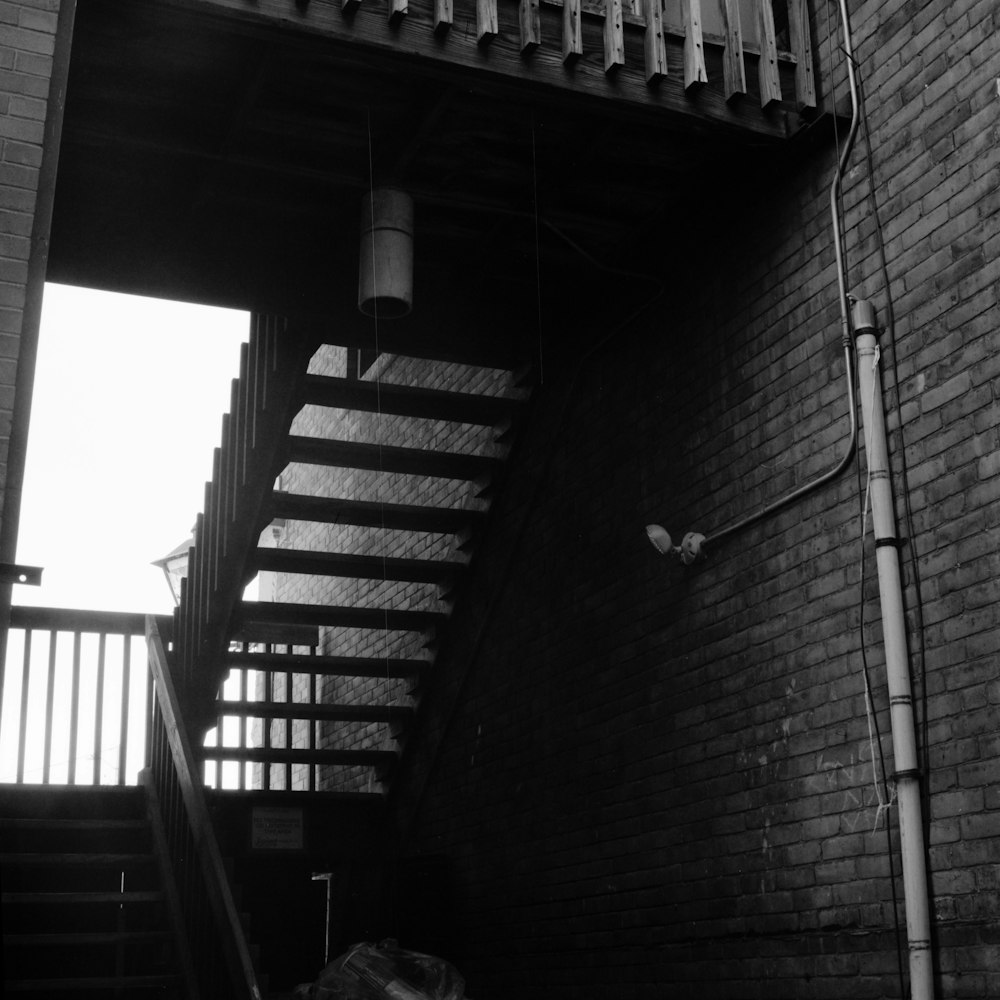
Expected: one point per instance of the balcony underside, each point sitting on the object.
(218, 151)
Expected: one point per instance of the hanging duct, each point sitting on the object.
(385, 286)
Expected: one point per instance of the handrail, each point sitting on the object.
(190, 836)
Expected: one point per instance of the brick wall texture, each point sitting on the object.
(27, 38)
(658, 781)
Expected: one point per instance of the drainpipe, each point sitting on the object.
(904, 744)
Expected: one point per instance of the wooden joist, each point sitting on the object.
(408, 401)
(383, 458)
(328, 666)
(801, 44)
(654, 44)
(572, 32)
(402, 517)
(356, 566)
(530, 23)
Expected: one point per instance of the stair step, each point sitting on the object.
(408, 401)
(357, 566)
(276, 755)
(91, 983)
(316, 614)
(329, 666)
(88, 939)
(401, 517)
(84, 898)
(13, 824)
(386, 458)
(314, 713)
(95, 859)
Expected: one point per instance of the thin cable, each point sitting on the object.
(538, 255)
(380, 486)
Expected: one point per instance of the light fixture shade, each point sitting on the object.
(385, 284)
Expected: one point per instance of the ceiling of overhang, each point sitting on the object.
(207, 160)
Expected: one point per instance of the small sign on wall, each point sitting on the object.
(276, 829)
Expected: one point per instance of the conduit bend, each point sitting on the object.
(694, 544)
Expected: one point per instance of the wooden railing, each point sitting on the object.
(75, 697)
(659, 52)
(219, 953)
(254, 432)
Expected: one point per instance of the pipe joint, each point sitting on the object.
(863, 317)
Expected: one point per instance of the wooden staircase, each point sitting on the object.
(383, 490)
(86, 909)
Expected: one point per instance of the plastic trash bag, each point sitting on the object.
(386, 972)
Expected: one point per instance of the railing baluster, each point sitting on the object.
(572, 32)
(801, 45)
(74, 708)
(653, 42)
(614, 37)
(734, 77)
(126, 694)
(99, 710)
(767, 68)
(22, 731)
(694, 46)
(49, 708)
(530, 20)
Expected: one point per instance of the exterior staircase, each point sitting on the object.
(87, 910)
(321, 690)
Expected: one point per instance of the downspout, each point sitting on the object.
(904, 744)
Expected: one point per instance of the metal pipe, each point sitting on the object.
(845, 325)
(904, 744)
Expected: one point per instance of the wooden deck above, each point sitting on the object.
(218, 150)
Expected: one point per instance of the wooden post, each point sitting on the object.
(801, 42)
(397, 10)
(654, 45)
(531, 25)
(614, 38)
(767, 68)
(572, 39)
(694, 47)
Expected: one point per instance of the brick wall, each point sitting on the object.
(658, 779)
(27, 43)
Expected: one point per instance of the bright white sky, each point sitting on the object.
(127, 410)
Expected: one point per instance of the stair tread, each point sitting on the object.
(318, 614)
(67, 825)
(332, 666)
(408, 401)
(318, 712)
(390, 458)
(92, 983)
(278, 755)
(74, 858)
(360, 566)
(86, 897)
(72, 938)
(362, 513)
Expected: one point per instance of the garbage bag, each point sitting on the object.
(386, 972)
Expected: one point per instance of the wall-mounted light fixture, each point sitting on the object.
(385, 284)
(688, 551)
